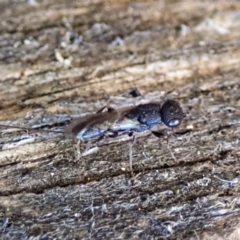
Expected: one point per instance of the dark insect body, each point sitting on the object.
(127, 120)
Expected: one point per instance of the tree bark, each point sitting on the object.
(62, 59)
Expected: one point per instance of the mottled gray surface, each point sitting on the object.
(62, 59)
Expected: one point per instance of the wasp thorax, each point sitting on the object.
(171, 113)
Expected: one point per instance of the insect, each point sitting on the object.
(128, 120)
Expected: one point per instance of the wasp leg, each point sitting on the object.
(130, 134)
(133, 141)
(113, 134)
(100, 138)
(162, 135)
(77, 143)
(182, 132)
(89, 143)
(158, 134)
(78, 148)
(94, 142)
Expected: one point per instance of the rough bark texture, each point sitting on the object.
(60, 59)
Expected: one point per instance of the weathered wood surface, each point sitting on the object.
(60, 59)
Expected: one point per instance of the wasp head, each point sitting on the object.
(171, 114)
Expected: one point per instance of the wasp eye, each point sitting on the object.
(174, 123)
(171, 113)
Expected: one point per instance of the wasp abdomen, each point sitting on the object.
(92, 132)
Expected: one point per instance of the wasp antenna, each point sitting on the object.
(133, 141)
(29, 129)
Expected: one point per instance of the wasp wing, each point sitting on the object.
(92, 125)
(126, 123)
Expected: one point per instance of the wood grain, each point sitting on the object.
(62, 59)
